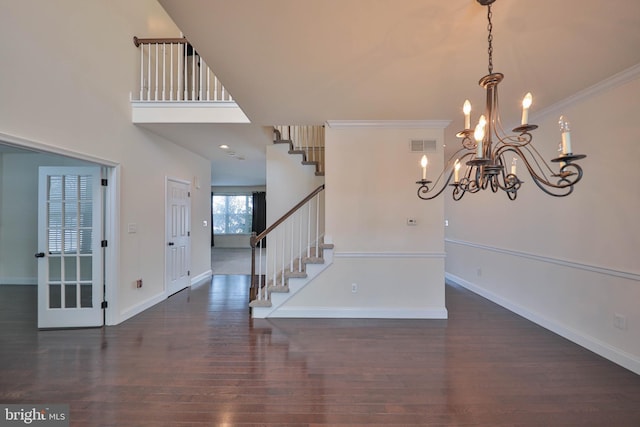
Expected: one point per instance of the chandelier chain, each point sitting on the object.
(490, 38)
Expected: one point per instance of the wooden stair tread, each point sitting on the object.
(260, 303)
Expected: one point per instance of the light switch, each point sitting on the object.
(205, 223)
(132, 228)
(412, 221)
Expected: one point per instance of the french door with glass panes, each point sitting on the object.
(70, 261)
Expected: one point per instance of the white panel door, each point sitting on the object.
(70, 262)
(178, 236)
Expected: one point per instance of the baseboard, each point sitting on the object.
(360, 313)
(603, 349)
(200, 278)
(139, 308)
(18, 280)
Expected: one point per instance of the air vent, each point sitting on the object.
(423, 145)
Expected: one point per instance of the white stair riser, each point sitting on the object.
(295, 284)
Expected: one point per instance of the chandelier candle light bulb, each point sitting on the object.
(456, 171)
(466, 109)
(423, 163)
(513, 166)
(478, 134)
(566, 135)
(526, 103)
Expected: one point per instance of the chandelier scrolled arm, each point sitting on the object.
(486, 148)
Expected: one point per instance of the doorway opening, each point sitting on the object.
(20, 162)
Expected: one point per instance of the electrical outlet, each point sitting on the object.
(620, 321)
(354, 287)
(139, 283)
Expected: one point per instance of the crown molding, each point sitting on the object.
(388, 124)
(609, 83)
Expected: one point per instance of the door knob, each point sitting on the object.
(170, 244)
(39, 255)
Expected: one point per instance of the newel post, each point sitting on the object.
(252, 288)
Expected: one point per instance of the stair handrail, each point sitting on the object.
(255, 238)
(138, 41)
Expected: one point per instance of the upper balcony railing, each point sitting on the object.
(172, 70)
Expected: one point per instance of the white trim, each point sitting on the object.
(391, 124)
(603, 349)
(438, 255)
(186, 112)
(40, 147)
(201, 278)
(618, 79)
(557, 261)
(360, 313)
(19, 281)
(112, 218)
(112, 254)
(142, 306)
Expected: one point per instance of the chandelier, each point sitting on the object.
(487, 149)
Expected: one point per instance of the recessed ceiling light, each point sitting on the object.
(224, 146)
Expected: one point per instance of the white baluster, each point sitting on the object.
(200, 78)
(274, 280)
(317, 198)
(186, 74)
(300, 250)
(164, 71)
(171, 72)
(284, 238)
(208, 83)
(308, 245)
(149, 74)
(291, 246)
(179, 71)
(157, 82)
(142, 72)
(260, 271)
(193, 75)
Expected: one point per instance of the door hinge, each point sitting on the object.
(103, 244)
(188, 193)
(104, 182)
(188, 234)
(188, 273)
(104, 304)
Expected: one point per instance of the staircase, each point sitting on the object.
(307, 141)
(270, 296)
(294, 252)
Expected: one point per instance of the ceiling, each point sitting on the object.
(306, 62)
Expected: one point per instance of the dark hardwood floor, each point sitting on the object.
(198, 360)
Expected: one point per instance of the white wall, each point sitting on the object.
(288, 181)
(570, 264)
(19, 214)
(370, 194)
(81, 104)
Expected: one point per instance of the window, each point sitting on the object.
(232, 214)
